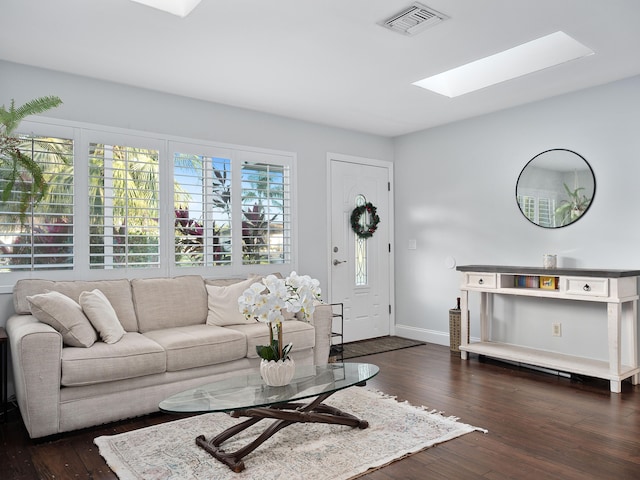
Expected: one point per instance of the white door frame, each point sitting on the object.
(376, 163)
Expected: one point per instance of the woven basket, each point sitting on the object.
(455, 327)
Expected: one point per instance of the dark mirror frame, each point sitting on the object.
(561, 205)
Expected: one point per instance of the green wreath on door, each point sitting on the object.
(366, 229)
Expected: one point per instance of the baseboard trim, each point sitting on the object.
(430, 336)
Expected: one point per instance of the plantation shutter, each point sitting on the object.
(124, 213)
(213, 205)
(266, 212)
(41, 237)
(202, 207)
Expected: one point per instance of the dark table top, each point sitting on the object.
(577, 272)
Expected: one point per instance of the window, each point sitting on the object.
(361, 274)
(227, 198)
(124, 211)
(202, 207)
(266, 231)
(132, 204)
(42, 237)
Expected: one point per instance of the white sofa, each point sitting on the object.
(171, 344)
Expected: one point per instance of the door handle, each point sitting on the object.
(338, 262)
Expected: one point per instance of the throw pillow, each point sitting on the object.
(223, 304)
(103, 317)
(64, 315)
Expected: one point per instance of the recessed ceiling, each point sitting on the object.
(328, 61)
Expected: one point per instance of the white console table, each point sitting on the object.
(617, 289)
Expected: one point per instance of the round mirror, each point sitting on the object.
(555, 188)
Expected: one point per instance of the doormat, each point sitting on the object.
(378, 345)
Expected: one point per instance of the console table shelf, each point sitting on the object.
(616, 288)
(551, 360)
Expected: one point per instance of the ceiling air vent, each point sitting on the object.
(414, 19)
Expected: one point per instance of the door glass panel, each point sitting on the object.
(361, 248)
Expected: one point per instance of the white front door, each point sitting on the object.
(360, 267)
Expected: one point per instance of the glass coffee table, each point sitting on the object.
(248, 396)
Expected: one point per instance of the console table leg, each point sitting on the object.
(616, 386)
(464, 322)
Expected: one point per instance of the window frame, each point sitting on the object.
(106, 138)
(83, 134)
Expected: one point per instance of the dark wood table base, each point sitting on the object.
(286, 414)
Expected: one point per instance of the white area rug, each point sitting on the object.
(300, 451)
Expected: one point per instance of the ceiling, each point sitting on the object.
(323, 61)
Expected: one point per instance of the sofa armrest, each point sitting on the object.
(322, 320)
(36, 355)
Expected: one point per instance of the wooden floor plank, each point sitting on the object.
(539, 425)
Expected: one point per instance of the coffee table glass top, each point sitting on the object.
(246, 391)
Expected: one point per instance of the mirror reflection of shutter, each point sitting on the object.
(528, 206)
(546, 217)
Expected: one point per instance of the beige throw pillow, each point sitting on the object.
(103, 317)
(223, 304)
(65, 316)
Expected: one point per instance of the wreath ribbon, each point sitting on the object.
(365, 230)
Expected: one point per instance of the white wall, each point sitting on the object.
(455, 195)
(454, 189)
(110, 104)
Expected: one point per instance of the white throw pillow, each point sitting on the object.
(103, 317)
(64, 315)
(223, 303)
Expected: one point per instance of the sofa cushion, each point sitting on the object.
(199, 345)
(223, 304)
(301, 334)
(169, 302)
(102, 316)
(117, 291)
(133, 356)
(65, 316)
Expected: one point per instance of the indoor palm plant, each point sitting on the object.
(570, 210)
(266, 301)
(21, 173)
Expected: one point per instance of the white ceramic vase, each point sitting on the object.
(277, 374)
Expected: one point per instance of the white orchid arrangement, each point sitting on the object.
(267, 300)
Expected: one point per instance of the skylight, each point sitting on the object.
(181, 8)
(529, 57)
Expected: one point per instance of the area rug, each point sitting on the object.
(299, 452)
(377, 345)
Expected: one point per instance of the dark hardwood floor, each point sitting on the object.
(540, 426)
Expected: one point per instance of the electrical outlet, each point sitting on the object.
(556, 329)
